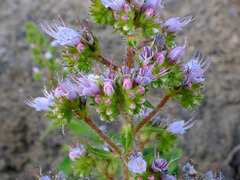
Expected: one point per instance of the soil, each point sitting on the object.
(215, 32)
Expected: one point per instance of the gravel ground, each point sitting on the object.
(215, 31)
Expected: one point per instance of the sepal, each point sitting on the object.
(100, 14)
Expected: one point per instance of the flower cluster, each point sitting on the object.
(153, 61)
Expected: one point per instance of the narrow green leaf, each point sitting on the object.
(126, 137)
(152, 129)
(99, 152)
(149, 105)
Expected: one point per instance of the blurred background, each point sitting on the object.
(216, 32)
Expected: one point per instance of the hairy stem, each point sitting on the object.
(102, 135)
(125, 171)
(141, 146)
(107, 63)
(130, 55)
(149, 117)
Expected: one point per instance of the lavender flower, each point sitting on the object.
(145, 77)
(63, 34)
(177, 53)
(179, 127)
(41, 103)
(146, 55)
(153, 4)
(62, 176)
(66, 89)
(137, 164)
(167, 177)
(76, 152)
(45, 178)
(176, 24)
(86, 86)
(160, 165)
(195, 68)
(114, 4)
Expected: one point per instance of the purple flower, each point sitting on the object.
(176, 24)
(144, 76)
(62, 176)
(76, 152)
(146, 55)
(167, 177)
(114, 4)
(153, 4)
(108, 88)
(137, 164)
(160, 165)
(63, 34)
(45, 178)
(195, 68)
(179, 127)
(177, 53)
(86, 86)
(41, 103)
(67, 89)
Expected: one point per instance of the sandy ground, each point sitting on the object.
(215, 32)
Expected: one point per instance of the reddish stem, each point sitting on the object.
(107, 63)
(149, 117)
(102, 135)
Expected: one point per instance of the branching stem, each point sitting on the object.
(107, 63)
(102, 135)
(149, 117)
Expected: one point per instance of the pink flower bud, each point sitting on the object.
(99, 110)
(160, 58)
(141, 90)
(189, 85)
(116, 16)
(149, 13)
(108, 88)
(150, 177)
(90, 2)
(75, 57)
(142, 101)
(81, 47)
(132, 95)
(68, 54)
(109, 112)
(58, 92)
(107, 102)
(124, 18)
(98, 99)
(156, 20)
(127, 8)
(132, 106)
(159, 165)
(127, 84)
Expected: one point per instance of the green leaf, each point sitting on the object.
(149, 105)
(126, 137)
(152, 129)
(66, 166)
(99, 152)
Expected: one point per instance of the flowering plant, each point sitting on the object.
(146, 147)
